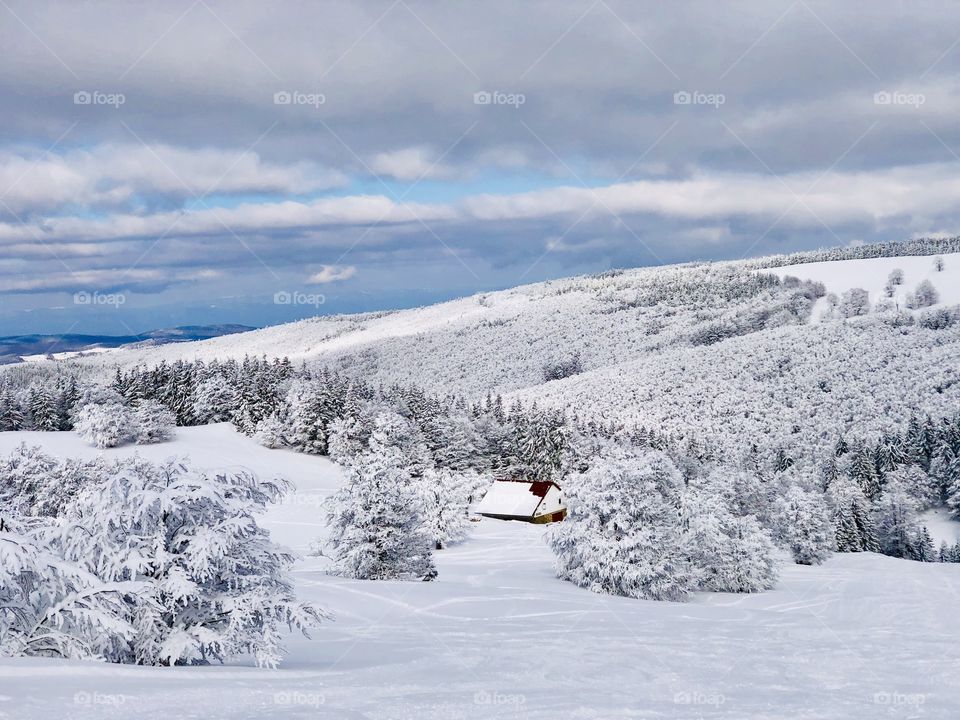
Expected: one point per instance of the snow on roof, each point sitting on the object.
(513, 497)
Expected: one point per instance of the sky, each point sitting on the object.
(210, 162)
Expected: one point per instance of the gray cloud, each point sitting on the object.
(350, 134)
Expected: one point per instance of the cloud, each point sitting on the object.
(332, 273)
(409, 164)
(113, 175)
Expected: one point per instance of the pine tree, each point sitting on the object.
(378, 520)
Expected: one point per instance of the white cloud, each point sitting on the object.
(110, 175)
(409, 164)
(332, 273)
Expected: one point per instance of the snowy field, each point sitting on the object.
(497, 636)
(871, 275)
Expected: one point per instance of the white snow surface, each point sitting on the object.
(498, 636)
(871, 275)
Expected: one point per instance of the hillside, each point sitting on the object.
(722, 350)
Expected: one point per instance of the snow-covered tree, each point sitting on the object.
(379, 523)
(895, 277)
(806, 526)
(898, 528)
(447, 499)
(853, 525)
(215, 400)
(105, 426)
(312, 408)
(924, 295)
(153, 422)
(730, 553)
(52, 607)
(622, 535)
(853, 302)
(43, 408)
(270, 432)
(214, 585)
(938, 263)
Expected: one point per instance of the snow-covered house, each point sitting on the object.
(536, 501)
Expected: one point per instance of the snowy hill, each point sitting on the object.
(498, 635)
(723, 350)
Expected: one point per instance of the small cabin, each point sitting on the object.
(534, 501)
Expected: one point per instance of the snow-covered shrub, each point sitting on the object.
(33, 483)
(378, 520)
(939, 318)
(270, 432)
(563, 368)
(854, 302)
(924, 295)
(154, 423)
(213, 584)
(898, 319)
(730, 553)
(93, 394)
(622, 535)
(105, 426)
(938, 263)
(895, 277)
(53, 608)
(806, 526)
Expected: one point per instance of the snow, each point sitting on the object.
(497, 635)
(871, 275)
(509, 498)
(942, 527)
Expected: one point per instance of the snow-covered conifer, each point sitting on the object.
(622, 535)
(379, 525)
(214, 585)
(806, 526)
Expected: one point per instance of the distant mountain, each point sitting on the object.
(15, 348)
